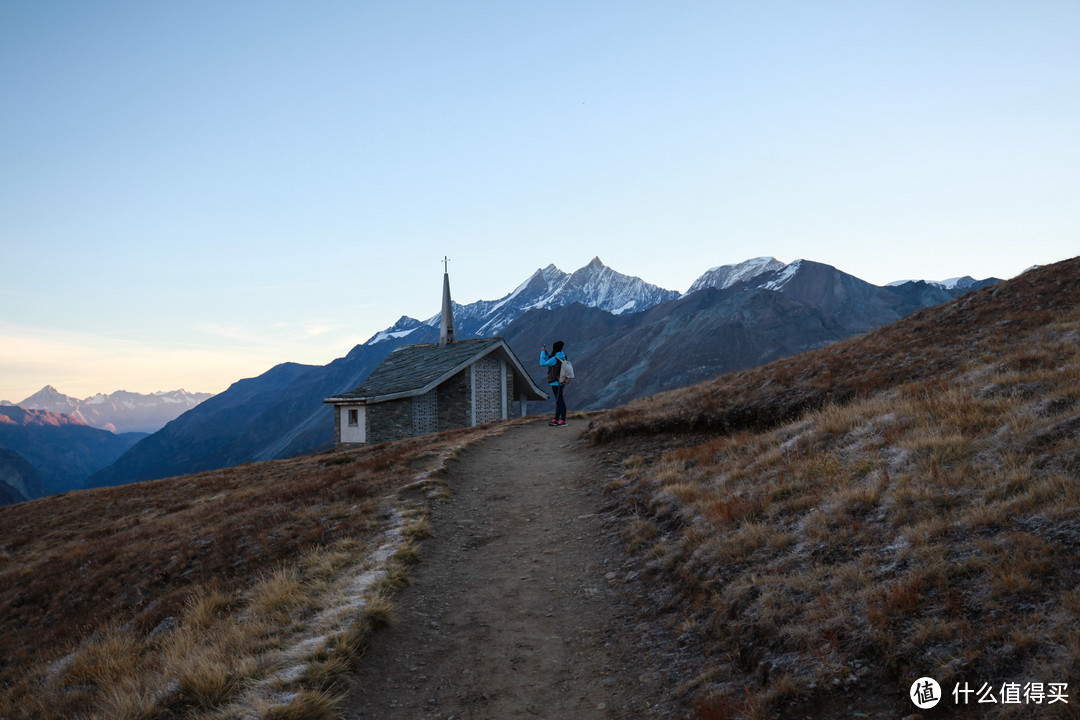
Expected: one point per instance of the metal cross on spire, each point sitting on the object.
(446, 264)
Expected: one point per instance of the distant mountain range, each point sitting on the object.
(734, 317)
(118, 412)
(951, 284)
(628, 339)
(42, 453)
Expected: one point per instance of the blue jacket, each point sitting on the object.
(551, 360)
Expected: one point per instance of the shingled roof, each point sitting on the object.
(416, 369)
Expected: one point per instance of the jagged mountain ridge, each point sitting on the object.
(117, 412)
(861, 305)
(766, 310)
(594, 285)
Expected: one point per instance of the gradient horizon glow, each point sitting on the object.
(192, 193)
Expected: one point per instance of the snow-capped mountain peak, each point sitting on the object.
(724, 276)
(595, 285)
(537, 291)
(403, 327)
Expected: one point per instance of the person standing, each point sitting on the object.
(553, 363)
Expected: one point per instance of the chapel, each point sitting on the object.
(425, 388)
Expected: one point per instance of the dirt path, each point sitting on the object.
(519, 607)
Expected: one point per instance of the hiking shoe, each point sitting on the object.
(554, 423)
(561, 423)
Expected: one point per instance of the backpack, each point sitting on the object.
(553, 372)
(566, 372)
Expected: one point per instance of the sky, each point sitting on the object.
(192, 193)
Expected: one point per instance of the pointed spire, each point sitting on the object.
(446, 326)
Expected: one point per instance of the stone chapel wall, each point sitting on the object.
(391, 420)
(455, 401)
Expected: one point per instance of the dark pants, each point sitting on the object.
(560, 404)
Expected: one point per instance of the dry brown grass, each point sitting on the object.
(904, 504)
(239, 592)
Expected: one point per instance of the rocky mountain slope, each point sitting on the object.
(628, 338)
(856, 304)
(63, 451)
(19, 480)
(9, 495)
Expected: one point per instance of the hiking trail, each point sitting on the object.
(520, 606)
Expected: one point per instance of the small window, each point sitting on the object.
(354, 418)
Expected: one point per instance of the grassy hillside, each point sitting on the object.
(218, 595)
(827, 529)
(818, 532)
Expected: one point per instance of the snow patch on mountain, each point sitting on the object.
(551, 278)
(404, 327)
(784, 277)
(385, 335)
(724, 276)
(595, 285)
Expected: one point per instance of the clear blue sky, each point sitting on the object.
(193, 192)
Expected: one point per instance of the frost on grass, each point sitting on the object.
(341, 609)
(273, 574)
(348, 608)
